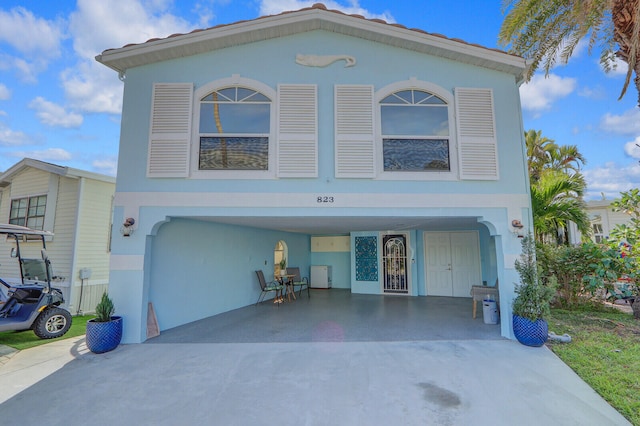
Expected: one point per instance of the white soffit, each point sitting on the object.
(341, 225)
(315, 18)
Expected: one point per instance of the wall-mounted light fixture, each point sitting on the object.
(127, 227)
(518, 228)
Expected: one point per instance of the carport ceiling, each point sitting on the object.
(343, 225)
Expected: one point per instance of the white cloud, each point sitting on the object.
(626, 124)
(30, 35)
(632, 149)
(107, 166)
(9, 137)
(50, 155)
(54, 115)
(205, 13)
(620, 68)
(97, 26)
(611, 179)
(92, 87)
(541, 92)
(5, 93)
(596, 93)
(26, 71)
(273, 7)
(578, 51)
(35, 40)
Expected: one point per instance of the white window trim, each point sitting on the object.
(28, 198)
(233, 81)
(52, 202)
(49, 209)
(445, 95)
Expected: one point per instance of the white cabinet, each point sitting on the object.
(330, 244)
(320, 276)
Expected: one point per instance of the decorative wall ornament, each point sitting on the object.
(517, 228)
(366, 258)
(127, 227)
(324, 60)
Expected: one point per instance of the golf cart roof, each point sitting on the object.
(9, 229)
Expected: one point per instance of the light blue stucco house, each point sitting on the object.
(393, 155)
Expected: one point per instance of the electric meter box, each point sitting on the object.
(85, 273)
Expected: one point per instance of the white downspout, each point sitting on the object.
(74, 245)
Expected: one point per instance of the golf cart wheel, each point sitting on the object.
(52, 323)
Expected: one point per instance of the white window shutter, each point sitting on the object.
(297, 130)
(477, 142)
(170, 131)
(354, 143)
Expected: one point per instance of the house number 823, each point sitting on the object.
(324, 199)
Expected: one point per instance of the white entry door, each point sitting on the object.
(452, 262)
(438, 264)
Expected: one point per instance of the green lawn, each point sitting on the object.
(27, 339)
(604, 352)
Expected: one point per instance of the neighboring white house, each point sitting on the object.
(603, 220)
(393, 155)
(77, 207)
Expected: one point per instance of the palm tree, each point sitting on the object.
(556, 199)
(544, 30)
(543, 153)
(538, 152)
(567, 159)
(557, 187)
(223, 140)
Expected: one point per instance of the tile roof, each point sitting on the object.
(315, 6)
(311, 18)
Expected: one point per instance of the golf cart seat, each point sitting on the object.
(30, 294)
(10, 308)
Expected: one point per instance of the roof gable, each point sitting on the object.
(7, 176)
(316, 17)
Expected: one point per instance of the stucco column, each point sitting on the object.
(126, 278)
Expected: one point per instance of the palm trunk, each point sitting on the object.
(223, 140)
(636, 308)
(626, 33)
(637, 80)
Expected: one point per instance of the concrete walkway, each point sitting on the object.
(183, 377)
(6, 352)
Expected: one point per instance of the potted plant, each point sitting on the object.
(104, 332)
(532, 303)
(283, 266)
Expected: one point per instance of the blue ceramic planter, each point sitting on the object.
(104, 336)
(530, 333)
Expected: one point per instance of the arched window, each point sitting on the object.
(234, 130)
(280, 255)
(415, 132)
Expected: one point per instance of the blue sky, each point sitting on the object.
(57, 104)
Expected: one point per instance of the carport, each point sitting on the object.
(199, 267)
(337, 315)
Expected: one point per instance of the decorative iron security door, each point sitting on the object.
(395, 264)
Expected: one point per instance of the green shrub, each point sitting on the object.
(570, 265)
(104, 309)
(533, 296)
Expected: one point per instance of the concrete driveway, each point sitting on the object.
(328, 364)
